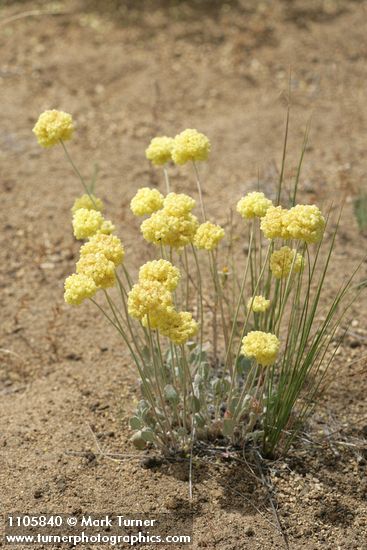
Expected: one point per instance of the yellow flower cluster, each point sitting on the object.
(281, 262)
(79, 287)
(151, 301)
(178, 204)
(162, 271)
(85, 201)
(174, 231)
(179, 327)
(190, 145)
(305, 223)
(159, 150)
(106, 228)
(253, 205)
(258, 304)
(273, 224)
(86, 223)
(109, 245)
(173, 225)
(99, 268)
(99, 256)
(53, 126)
(146, 201)
(149, 298)
(208, 236)
(262, 346)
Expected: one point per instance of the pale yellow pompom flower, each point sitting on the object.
(53, 126)
(190, 145)
(79, 287)
(89, 202)
(107, 228)
(159, 150)
(179, 327)
(253, 205)
(273, 224)
(178, 204)
(262, 346)
(281, 262)
(99, 268)
(173, 231)
(258, 304)
(208, 236)
(305, 222)
(162, 271)
(86, 223)
(146, 201)
(149, 298)
(109, 245)
(157, 318)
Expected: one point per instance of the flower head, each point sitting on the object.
(190, 145)
(258, 304)
(79, 287)
(263, 346)
(178, 204)
(179, 327)
(281, 262)
(159, 150)
(208, 236)
(99, 268)
(149, 298)
(177, 232)
(274, 224)
(107, 228)
(305, 222)
(162, 271)
(86, 223)
(146, 201)
(53, 126)
(85, 201)
(253, 205)
(109, 245)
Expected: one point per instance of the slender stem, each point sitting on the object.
(285, 294)
(187, 372)
(128, 278)
(305, 140)
(113, 324)
(157, 377)
(245, 326)
(172, 351)
(119, 328)
(219, 292)
(247, 387)
(187, 278)
(128, 322)
(200, 293)
(161, 357)
(166, 179)
(183, 387)
(281, 177)
(239, 302)
(215, 314)
(199, 191)
(82, 180)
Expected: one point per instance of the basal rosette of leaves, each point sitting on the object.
(226, 344)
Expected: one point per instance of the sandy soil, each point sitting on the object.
(222, 68)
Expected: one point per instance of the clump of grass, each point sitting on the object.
(225, 346)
